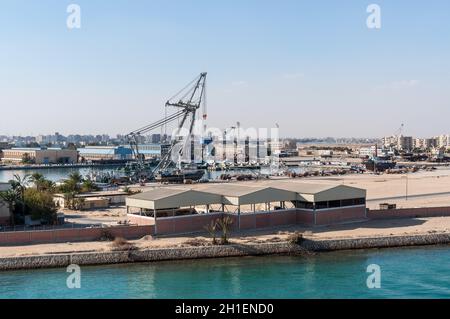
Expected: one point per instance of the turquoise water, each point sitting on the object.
(405, 273)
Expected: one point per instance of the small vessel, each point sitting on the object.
(179, 176)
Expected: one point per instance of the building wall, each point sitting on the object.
(47, 156)
(16, 155)
(56, 156)
(93, 202)
(105, 153)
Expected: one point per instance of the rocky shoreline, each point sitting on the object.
(306, 246)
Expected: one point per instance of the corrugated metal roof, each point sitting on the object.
(159, 193)
(302, 187)
(232, 189)
(166, 198)
(248, 193)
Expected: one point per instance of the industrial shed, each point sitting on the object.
(312, 204)
(171, 198)
(241, 194)
(320, 196)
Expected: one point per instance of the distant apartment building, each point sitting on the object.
(155, 138)
(390, 141)
(425, 143)
(443, 141)
(105, 153)
(40, 156)
(369, 151)
(405, 143)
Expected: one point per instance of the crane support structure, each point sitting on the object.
(188, 101)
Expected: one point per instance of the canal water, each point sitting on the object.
(53, 174)
(56, 174)
(405, 273)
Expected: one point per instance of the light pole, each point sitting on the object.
(406, 190)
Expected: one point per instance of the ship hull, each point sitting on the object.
(379, 166)
(180, 177)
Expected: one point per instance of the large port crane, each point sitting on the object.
(188, 101)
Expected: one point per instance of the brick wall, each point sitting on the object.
(250, 221)
(409, 213)
(185, 224)
(340, 215)
(72, 235)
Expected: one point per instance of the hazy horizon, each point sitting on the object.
(315, 68)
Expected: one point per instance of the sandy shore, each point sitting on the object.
(374, 228)
(423, 189)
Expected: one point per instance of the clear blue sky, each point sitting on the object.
(312, 66)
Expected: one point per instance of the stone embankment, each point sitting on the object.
(307, 245)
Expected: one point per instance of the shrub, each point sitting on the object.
(295, 238)
(224, 224)
(40, 205)
(211, 229)
(120, 243)
(106, 235)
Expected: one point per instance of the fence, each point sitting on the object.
(73, 234)
(46, 227)
(409, 213)
(253, 221)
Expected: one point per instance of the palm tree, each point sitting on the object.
(41, 183)
(76, 177)
(211, 229)
(89, 186)
(38, 180)
(19, 185)
(224, 224)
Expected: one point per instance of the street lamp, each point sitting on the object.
(406, 186)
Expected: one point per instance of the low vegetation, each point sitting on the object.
(295, 238)
(74, 186)
(121, 244)
(35, 201)
(106, 235)
(212, 231)
(32, 195)
(224, 226)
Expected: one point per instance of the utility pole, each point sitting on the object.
(407, 179)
